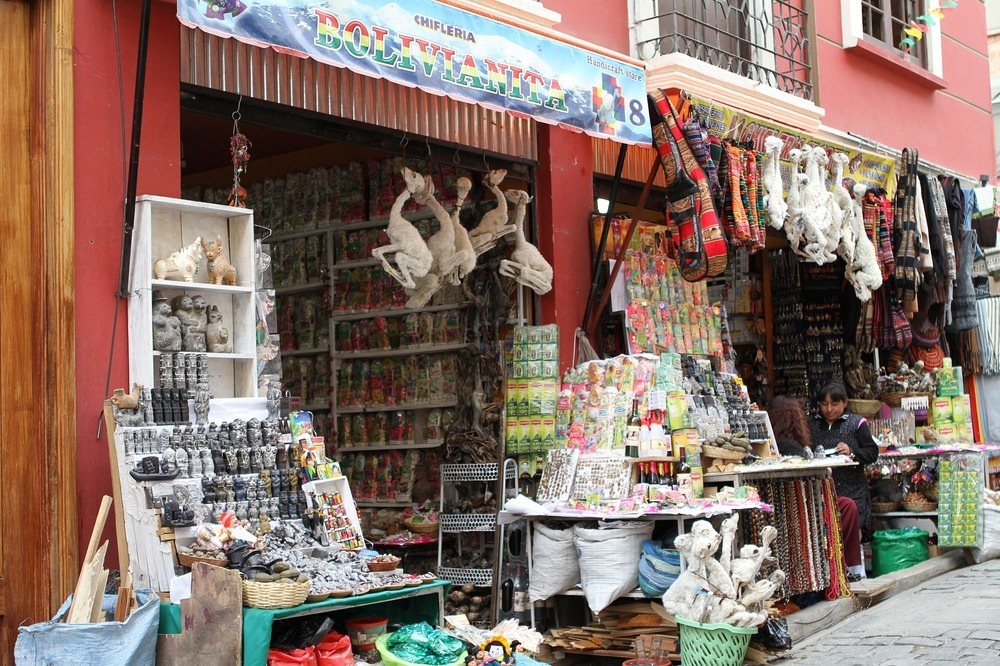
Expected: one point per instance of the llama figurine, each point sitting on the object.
(413, 258)
(220, 271)
(181, 265)
(526, 263)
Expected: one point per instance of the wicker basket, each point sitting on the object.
(895, 399)
(384, 566)
(725, 454)
(923, 507)
(885, 507)
(866, 408)
(274, 595)
(422, 528)
(189, 560)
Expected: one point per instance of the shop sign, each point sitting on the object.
(445, 51)
(868, 169)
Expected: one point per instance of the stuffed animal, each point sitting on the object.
(413, 257)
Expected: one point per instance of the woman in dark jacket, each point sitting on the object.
(791, 431)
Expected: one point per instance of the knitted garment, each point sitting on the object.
(964, 315)
(761, 206)
(755, 214)
(906, 241)
(697, 137)
(941, 213)
(739, 224)
(850, 481)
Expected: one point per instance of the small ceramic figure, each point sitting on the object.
(217, 335)
(220, 271)
(166, 328)
(182, 264)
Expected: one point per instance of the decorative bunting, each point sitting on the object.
(914, 32)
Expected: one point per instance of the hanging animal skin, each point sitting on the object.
(526, 264)
(445, 259)
(815, 211)
(493, 226)
(775, 204)
(864, 272)
(413, 257)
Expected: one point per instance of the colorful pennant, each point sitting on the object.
(914, 32)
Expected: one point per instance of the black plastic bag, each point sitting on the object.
(774, 635)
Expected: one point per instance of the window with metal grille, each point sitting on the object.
(884, 20)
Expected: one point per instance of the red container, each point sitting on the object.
(364, 631)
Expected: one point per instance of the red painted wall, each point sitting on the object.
(603, 23)
(100, 174)
(951, 127)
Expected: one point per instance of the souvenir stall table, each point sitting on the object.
(802, 496)
(423, 603)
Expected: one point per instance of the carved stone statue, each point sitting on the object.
(166, 327)
(201, 404)
(273, 399)
(191, 329)
(217, 335)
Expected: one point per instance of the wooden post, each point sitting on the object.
(116, 490)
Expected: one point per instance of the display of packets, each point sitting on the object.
(960, 482)
(532, 389)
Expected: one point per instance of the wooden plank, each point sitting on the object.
(98, 598)
(80, 601)
(211, 621)
(87, 588)
(871, 587)
(116, 491)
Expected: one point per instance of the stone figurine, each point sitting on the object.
(273, 399)
(220, 271)
(166, 329)
(201, 405)
(191, 327)
(182, 264)
(217, 335)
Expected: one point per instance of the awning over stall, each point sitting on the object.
(445, 50)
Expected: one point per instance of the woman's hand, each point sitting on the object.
(844, 450)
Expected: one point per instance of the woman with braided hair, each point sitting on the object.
(791, 431)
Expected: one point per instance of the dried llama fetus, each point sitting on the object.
(413, 258)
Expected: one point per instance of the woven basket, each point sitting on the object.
(885, 507)
(895, 399)
(189, 560)
(866, 408)
(384, 566)
(725, 454)
(274, 595)
(923, 507)
(422, 528)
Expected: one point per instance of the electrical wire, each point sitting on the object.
(121, 115)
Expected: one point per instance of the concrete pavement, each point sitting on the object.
(953, 619)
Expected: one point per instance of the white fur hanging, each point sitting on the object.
(774, 188)
(844, 203)
(794, 225)
(526, 263)
(413, 257)
(817, 216)
(725, 590)
(864, 272)
(493, 226)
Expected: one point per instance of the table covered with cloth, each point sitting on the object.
(411, 604)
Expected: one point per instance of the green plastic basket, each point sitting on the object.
(388, 659)
(713, 644)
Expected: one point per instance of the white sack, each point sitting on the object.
(609, 560)
(554, 568)
(991, 534)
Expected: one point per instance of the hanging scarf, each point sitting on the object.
(907, 237)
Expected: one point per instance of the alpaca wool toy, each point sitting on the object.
(774, 188)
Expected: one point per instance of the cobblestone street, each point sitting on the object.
(953, 619)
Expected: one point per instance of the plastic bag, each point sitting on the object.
(305, 657)
(334, 650)
(104, 644)
(991, 534)
(609, 560)
(659, 567)
(893, 550)
(549, 546)
(422, 644)
(774, 634)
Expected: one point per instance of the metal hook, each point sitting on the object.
(237, 116)
(456, 159)
(427, 140)
(485, 162)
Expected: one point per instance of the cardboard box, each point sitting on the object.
(941, 411)
(949, 381)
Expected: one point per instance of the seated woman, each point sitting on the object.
(791, 431)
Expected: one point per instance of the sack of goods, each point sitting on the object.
(552, 546)
(659, 567)
(609, 560)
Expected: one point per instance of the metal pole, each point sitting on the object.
(133, 168)
(596, 273)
